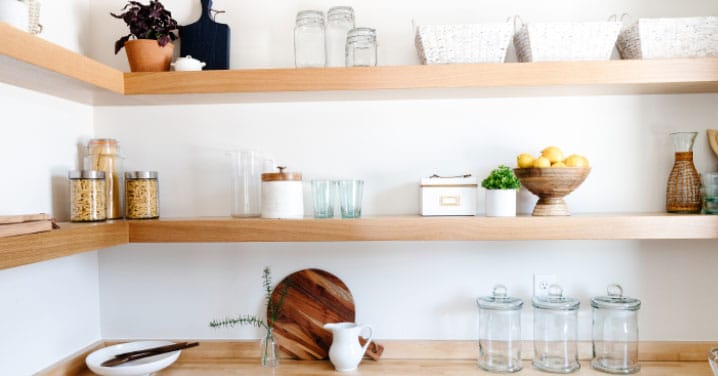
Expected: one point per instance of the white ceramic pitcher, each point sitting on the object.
(345, 352)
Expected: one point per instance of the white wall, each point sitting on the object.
(48, 310)
(414, 289)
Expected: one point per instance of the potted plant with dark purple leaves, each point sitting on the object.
(153, 30)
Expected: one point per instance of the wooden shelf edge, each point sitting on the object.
(613, 76)
(70, 239)
(217, 357)
(415, 228)
(35, 51)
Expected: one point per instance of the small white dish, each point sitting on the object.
(139, 367)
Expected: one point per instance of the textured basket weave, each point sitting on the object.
(657, 38)
(475, 43)
(566, 41)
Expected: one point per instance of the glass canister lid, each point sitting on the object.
(281, 175)
(555, 300)
(499, 300)
(616, 300)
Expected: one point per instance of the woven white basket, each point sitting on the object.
(566, 41)
(657, 38)
(474, 43)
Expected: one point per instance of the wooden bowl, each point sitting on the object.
(551, 184)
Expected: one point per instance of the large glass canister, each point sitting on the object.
(683, 192)
(556, 332)
(103, 154)
(500, 331)
(309, 44)
(339, 21)
(615, 332)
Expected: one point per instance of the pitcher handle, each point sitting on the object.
(368, 339)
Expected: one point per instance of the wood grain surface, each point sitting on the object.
(315, 297)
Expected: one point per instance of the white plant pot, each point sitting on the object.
(500, 202)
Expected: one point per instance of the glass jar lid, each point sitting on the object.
(616, 300)
(555, 300)
(281, 175)
(340, 13)
(86, 174)
(306, 17)
(499, 300)
(141, 175)
(361, 33)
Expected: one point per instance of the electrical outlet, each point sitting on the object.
(542, 283)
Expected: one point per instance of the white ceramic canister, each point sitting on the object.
(282, 195)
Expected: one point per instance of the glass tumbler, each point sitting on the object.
(710, 193)
(309, 44)
(615, 332)
(500, 331)
(361, 47)
(324, 193)
(350, 197)
(247, 167)
(556, 332)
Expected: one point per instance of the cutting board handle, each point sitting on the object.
(206, 7)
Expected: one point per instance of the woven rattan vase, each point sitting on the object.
(683, 193)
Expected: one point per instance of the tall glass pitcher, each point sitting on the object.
(683, 194)
(247, 166)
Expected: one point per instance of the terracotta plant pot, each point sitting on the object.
(145, 55)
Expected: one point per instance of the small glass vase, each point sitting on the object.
(683, 193)
(268, 350)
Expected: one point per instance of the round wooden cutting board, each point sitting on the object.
(315, 297)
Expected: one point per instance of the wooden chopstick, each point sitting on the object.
(144, 354)
(158, 348)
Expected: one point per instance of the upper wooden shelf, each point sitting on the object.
(31, 62)
(74, 238)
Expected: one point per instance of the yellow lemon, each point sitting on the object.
(542, 162)
(575, 160)
(553, 154)
(525, 160)
(558, 164)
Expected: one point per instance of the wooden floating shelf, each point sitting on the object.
(220, 358)
(31, 62)
(75, 238)
(415, 228)
(70, 239)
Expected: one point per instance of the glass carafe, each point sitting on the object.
(683, 193)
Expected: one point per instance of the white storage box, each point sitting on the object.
(663, 38)
(566, 41)
(449, 195)
(471, 43)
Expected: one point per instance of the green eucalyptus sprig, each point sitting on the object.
(501, 177)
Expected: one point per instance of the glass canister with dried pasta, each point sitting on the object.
(103, 154)
(87, 196)
(142, 192)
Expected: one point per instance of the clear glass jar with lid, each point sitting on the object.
(87, 196)
(309, 44)
(103, 154)
(361, 47)
(500, 331)
(615, 332)
(142, 195)
(339, 21)
(556, 332)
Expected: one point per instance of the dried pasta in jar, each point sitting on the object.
(103, 154)
(87, 196)
(142, 195)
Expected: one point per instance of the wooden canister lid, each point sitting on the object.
(281, 175)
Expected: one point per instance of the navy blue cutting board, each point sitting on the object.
(206, 40)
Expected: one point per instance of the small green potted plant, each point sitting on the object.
(153, 30)
(501, 186)
(268, 346)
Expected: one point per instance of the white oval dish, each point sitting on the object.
(139, 367)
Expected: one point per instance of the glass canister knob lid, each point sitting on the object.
(499, 300)
(615, 300)
(555, 300)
